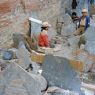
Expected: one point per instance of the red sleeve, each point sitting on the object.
(46, 41)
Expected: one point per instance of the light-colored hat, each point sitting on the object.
(84, 11)
(46, 24)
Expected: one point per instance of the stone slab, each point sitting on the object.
(60, 73)
(16, 81)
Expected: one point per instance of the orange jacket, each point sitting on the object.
(43, 39)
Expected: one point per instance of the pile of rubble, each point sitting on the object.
(17, 78)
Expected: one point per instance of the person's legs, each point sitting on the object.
(82, 30)
(79, 31)
(82, 40)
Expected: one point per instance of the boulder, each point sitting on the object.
(14, 80)
(24, 55)
(25, 58)
(58, 72)
(90, 40)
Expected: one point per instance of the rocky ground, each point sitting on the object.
(66, 69)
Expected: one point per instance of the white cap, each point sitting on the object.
(46, 24)
(84, 10)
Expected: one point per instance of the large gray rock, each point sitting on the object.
(90, 40)
(15, 81)
(24, 55)
(60, 73)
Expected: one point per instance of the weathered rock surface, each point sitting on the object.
(67, 19)
(93, 68)
(3, 64)
(15, 81)
(59, 91)
(10, 24)
(8, 55)
(25, 57)
(73, 41)
(43, 82)
(90, 44)
(87, 61)
(58, 72)
(86, 58)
